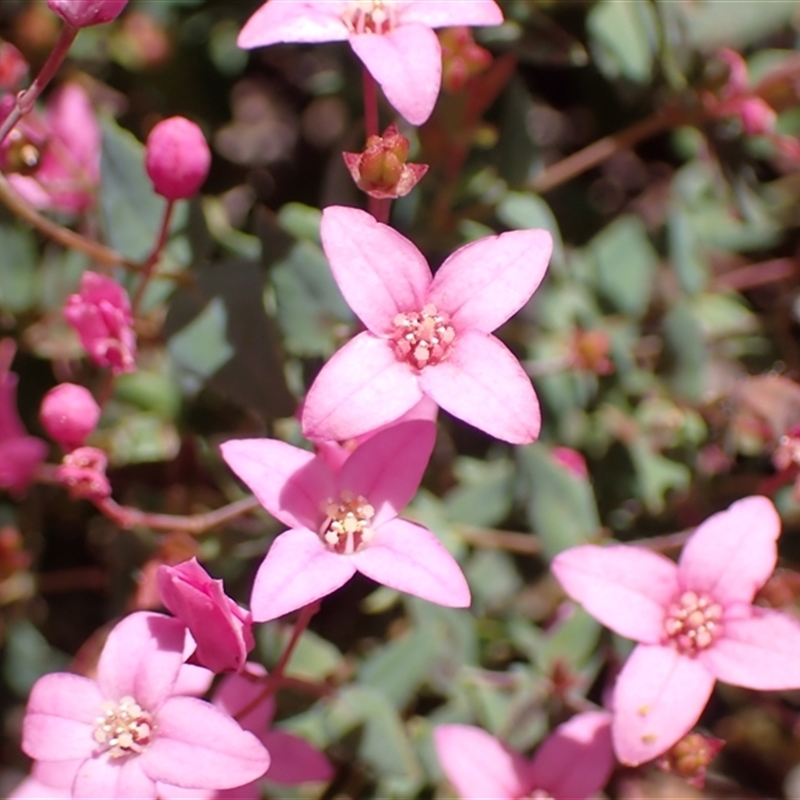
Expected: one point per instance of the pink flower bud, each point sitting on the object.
(177, 158)
(101, 314)
(83, 472)
(13, 67)
(221, 628)
(82, 13)
(69, 414)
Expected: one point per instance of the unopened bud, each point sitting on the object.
(177, 158)
(83, 13)
(69, 414)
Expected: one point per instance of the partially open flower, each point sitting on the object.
(177, 158)
(83, 13)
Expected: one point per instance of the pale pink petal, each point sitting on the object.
(142, 658)
(31, 789)
(411, 559)
(289, 482)
(732, 553)
(407, 64)
(658, 697)
(297, 570)
(387, 469)
(106, 778)
(59, 774)
(168, 791)
(576, 760)
(761, 652)
(443, 13)
(239, 692)
(379, 271)
(625, 588)
(478, 765)
(193, 680)
(362, 387)
(74, 122)
(484, 283)
(295, 21)
(294, 760)
(200, 746)
(482, 383)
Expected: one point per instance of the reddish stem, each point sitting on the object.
(380, 208)
(155, 255)
(371, 121)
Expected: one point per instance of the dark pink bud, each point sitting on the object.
(177, 158)
(13, 67)
(69, 414)
(571, 460)
(83, 472)
(82, 13)
(221, 628)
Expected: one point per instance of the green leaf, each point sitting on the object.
(523, 211)
(686, 255)
(301, 221)
(485, 494)
(313, 659)
(28, 657)
(657, 475)
(18, 273)
(142, 437)
(686, 350)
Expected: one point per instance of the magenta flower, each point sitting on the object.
(127, 734)
(221, 628)
(101, 314)
(393, 38)
(177, 158)
(343, 519)
(695, 621)
(69, 413)
(426, 335)
(82, 13)
(573, 763)
(83, 472)
(33, 789)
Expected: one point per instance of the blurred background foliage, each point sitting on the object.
(663, 346)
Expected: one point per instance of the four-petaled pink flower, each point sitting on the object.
(426, 335)
(343, 519)
(101, 314)
(393, 38)
(573, 763)
(695, 621)
(128, 734)
(221, 628)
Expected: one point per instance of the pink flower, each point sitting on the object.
(82, 13)
(69, 414)
(177, 158)
(426, 335)
(33, 789)
(20, 454)
(101, 314)
(573, 763)
(128, 734)
(393, 38)
(221, 628)
(695, 621)
(343, 519)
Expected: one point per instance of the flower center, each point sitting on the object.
(422, 337)
(692, 622)
(347, 524)
(370, 16)
(124, 729)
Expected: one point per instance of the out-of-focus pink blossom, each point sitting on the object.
(177, 158)
(13, 67)
(343, 519)
(695, 623)
(69, 414)
(221, 628)
(393, 38)
(83, 472)
(426, 335)
(20, 454)
(571, 460)
(573, 763)
(101, 314)
(83, 13)
(128, 734)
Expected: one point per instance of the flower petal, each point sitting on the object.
(294, 21)
(411, 559)
(483, 383)
(289, 482)
(760, 652)
(732, 553)
(486, 282)
(58, 774)
(294, 760)
(387, 469)
(142, 658)
(577, 759)
(236, 693)
(202, 747)
(407, 64)
(379, 271)
(32, 789)
(625, 588)
(106, 778)
(362, 387)
(443, 13)
(297, 570)
(659, 696)
(478, 765)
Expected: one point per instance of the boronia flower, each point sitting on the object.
(393, 38)
(342, 513)
(129, 734)
(426, 335)
(695, 622)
